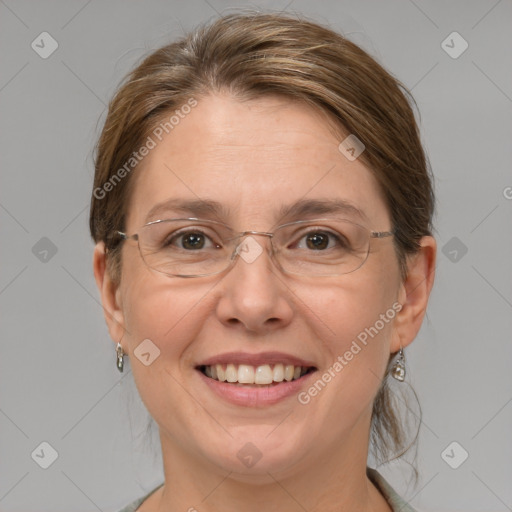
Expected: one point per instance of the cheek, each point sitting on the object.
(165, 313)
(344, 308)
(168, 316)
(354, 324)
(168, 311)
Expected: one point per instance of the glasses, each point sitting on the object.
(194, 248)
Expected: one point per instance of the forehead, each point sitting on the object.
(251, 162)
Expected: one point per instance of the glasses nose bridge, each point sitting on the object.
(240, 236)
(239, 241)
(262, 233)
(244, 234)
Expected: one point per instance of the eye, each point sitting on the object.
(320, 239)
(191, 239)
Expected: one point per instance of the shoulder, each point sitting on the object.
(132, 507)
(395, 501)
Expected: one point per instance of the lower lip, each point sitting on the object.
(248, 396)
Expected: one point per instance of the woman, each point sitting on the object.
(262, 212)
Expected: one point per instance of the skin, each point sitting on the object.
(253, 157)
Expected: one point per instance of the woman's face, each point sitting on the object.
(255, 158)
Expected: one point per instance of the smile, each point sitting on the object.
(262, 375)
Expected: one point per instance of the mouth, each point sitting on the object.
(254, 380)
(261, 376)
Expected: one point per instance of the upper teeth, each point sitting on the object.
(247, 374)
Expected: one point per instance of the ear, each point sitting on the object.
(110, 294)
(414, 293)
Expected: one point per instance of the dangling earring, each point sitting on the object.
(398, 368)
(120, 357)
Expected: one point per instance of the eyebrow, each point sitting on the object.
(203, 208)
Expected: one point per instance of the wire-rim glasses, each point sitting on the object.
(192, 247)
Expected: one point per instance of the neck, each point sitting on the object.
(331, 479)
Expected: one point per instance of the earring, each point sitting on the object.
(398, 368)
(120, 357)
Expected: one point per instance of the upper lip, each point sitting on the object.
(256, 359)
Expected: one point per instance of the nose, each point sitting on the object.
(253, 295)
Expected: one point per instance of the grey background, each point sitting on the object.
(58, 381)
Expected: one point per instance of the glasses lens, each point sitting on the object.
(185, 247)
(321, 247)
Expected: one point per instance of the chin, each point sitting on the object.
(254, 454)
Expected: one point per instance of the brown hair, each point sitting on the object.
(253, 55)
